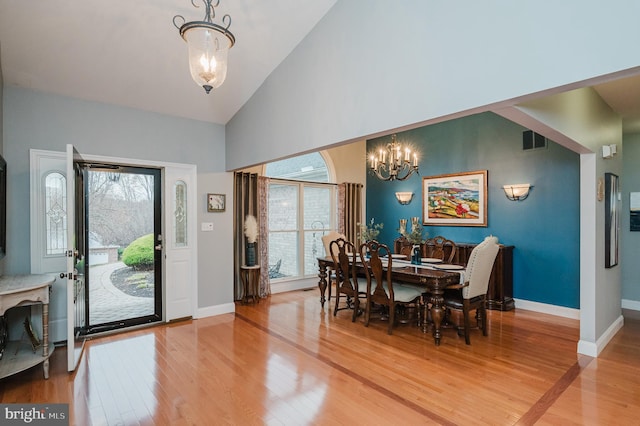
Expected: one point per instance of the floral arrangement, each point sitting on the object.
(369, 232)
(251, 228)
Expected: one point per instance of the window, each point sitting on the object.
(301, 210)
(55, 198)
(180, 214)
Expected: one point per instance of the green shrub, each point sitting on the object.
(139, 254)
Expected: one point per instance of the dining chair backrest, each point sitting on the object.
(344, 254)
(441, 248)
(326, 241)
(479, 267)
(377, 260)
(402, 246)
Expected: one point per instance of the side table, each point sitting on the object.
(250, 277)
(25, 290)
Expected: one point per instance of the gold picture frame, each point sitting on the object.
(216, 202)
(455, 199)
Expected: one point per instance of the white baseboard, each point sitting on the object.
(633, 305)
(211, 311)
(545, 308)
(277, 287)
(58, 330)
(302, 284)
(594, 349)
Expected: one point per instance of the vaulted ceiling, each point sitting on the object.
(129, 53)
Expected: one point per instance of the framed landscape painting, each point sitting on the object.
(457, 199)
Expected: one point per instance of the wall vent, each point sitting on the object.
(532, 140)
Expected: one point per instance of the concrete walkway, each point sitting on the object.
(107, 303)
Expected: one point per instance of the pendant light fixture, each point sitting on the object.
(209, 45)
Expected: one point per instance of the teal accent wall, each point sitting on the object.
(544, 228)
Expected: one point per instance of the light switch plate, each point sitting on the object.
(207, 226)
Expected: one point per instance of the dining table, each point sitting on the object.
(435, 279)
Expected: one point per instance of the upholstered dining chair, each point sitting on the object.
(381, 290)
(472, 294)
(326, 241)
(344, 256)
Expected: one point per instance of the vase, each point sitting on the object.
(416, 257)
(251, 254)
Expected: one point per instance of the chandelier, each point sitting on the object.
(209, 45)
(394, 162)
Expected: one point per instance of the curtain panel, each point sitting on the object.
(349, 210)
(263, 232)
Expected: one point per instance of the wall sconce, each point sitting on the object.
(517, 192)
(404, 198)
(608, 151)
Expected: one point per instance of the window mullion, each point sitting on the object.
(301, 229)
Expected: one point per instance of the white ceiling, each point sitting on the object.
(128, 52)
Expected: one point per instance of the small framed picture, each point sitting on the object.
(215, 202)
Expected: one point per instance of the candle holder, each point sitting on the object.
(415, 223)
(403, 227)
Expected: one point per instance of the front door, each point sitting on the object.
(53, 212)
(124, 239)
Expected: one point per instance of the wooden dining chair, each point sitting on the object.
(381, 289)
(441, 248)
(472, 294)
(402, 246)
(326, 241)
(345, 258)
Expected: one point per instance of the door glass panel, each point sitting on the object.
(180, 214)
(123, 233)
(55, 213)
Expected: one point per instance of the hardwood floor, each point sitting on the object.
(285, 361)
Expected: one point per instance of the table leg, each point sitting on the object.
(244, 277)
(254, 280)
(45, 338)
(322, 284)
(437, 314)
